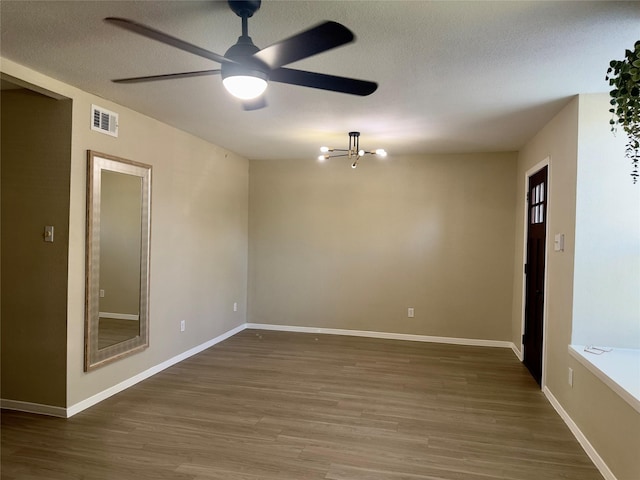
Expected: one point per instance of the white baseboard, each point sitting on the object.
(387, 335)
(29, 407)
(582, 440)
(517, 352)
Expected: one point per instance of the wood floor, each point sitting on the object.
(266, 405)
(116, 330)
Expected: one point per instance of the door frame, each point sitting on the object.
(536, 168)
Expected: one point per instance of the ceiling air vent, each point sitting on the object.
(104, 121)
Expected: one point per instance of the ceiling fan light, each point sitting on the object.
(245, 87)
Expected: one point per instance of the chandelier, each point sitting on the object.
(353, 153)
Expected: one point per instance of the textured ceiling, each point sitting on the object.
(453, 76)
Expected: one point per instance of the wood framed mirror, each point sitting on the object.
(118, 253)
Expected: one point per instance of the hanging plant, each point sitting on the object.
(624, 77)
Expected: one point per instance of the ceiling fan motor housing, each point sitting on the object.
(246, 64)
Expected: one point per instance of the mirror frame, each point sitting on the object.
(96, 164)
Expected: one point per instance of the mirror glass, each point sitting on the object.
(118, 229)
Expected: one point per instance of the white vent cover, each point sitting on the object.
(104, 121)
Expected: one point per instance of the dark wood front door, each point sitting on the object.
(534, 270)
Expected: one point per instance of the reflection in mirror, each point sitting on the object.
(118, 229)
(120, 214)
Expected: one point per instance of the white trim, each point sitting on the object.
(98, 397)
(616, 360)
(586, 445)
(33, 408)
(387, 335)
(119, 316)
(520, 353)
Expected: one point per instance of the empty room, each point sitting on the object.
(342, 240)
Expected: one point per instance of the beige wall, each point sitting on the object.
(335, 247)
(36, 148)
(198, 239)
(608, 422)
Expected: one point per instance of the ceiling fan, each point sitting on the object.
(246, 69)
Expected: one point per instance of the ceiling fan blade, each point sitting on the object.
(161, 37)
(305, 44)
(323, 82)
(255, 104)
(167, 76)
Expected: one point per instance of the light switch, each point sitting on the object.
(48, 233)
(558, 243)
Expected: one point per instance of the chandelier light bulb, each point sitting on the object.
(361, 152)
(245, 87)
(322, 158)
(324, 149)
(381, 152)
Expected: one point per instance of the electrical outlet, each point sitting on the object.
(410, 312)
(235, 306)
(183, 325)
(102, 293)
(570, 377)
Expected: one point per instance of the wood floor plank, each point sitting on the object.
(292, 406)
